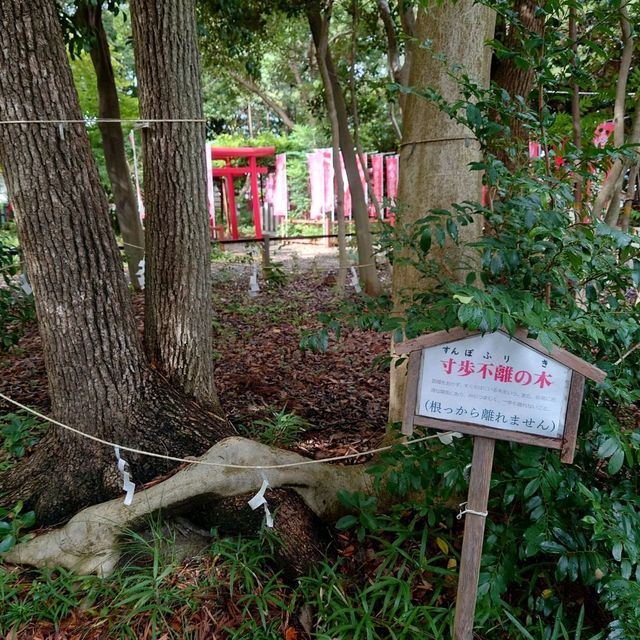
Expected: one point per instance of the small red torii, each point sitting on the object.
(227, 154)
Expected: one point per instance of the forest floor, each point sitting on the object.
(260, 369)
(261, 373)
(391, 575)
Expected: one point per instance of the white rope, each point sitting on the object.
(205, 462)
(91, 120)
(482, 514)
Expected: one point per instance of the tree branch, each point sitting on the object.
(251, 86)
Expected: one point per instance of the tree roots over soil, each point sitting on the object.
(301, 496)
(67, 472)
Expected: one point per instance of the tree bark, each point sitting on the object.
(98, 378)
(612, 186)
(576, 121)
(368, 272)
(90, 16)
(514, 79)
(398, 69)
(435, 154)
(178, 311)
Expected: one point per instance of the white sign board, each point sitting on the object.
(494, 381)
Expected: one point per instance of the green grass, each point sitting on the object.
(283, 429)
(396, 586)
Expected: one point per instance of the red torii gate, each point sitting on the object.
(227, 154)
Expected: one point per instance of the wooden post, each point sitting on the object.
(473, 539)
(266, 255)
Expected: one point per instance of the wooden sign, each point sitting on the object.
(493, 387)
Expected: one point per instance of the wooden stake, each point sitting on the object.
(473, 539)
(266, 255)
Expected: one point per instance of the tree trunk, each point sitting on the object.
(368, 273)
(113, 141)
(98, 378)
(612, 186)
(435, 155)
(514, 79)
(398, 70)
(178, 311)
(576, 121)
(321, 54)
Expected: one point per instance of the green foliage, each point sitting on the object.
(555, 530)
(13, 522)
(16, 307)
(19, 433)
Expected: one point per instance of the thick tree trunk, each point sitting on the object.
(436, 151)
(113, 141)
(178, 318)
(368, 273)
(98, 378)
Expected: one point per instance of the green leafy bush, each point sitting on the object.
(16, 307)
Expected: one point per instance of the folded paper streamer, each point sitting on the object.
(24, 285)
(354, 280)
(447, 438)
(128, 486)
(259, 500)
(140, 273)
(254, 287)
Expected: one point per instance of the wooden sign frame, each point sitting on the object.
(483, 450)
(579, 371)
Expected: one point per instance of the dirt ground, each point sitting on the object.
(260, 368)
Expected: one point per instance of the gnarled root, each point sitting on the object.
(88, 543)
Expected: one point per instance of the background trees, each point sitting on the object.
(98, 376)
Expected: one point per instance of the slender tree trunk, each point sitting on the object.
(355, 114)
(629, 199)
(610, 190)
(113, 141)
(321, 52)
(435, 155)
(178, 312)
(398, 70)
(98, 378)
(576, 120)
(368, 272)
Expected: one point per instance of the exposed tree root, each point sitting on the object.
(67, 473)
(88, 543)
